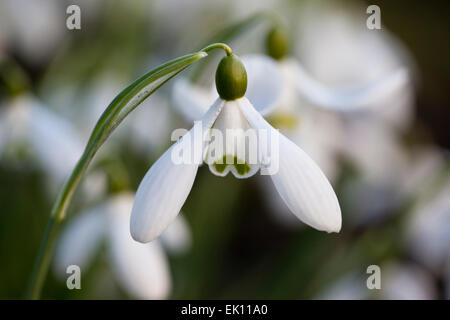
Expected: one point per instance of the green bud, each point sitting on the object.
(277, 42)
(231, 78)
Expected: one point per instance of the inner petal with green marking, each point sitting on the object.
(233, 144)
(241, 167)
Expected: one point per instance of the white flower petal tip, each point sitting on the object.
(265, 82)
(299, 181)
(350, 98)
(305, 189)
(160, 197)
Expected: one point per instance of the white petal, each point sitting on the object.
(141, 269)
(166, 185)
(300, 182)
(80, 240)
(177, 238)
(349, 98)
(265, 82)
(190, 99)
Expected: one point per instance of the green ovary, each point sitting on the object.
(241, 168)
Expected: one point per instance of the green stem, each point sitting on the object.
(118, 109)
(218, 46)
(42, 260)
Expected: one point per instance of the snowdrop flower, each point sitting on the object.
(300, 182)
(141, 269)
(27, 125)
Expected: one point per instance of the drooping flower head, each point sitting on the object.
(232, 136)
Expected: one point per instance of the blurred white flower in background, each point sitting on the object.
(336, 48)
(428, 237)
(30, 130)
(399, 281)
(142, 270)
(35, 28)
(145, 129)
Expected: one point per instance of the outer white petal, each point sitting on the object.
(190, 99)
(141, 269)
(348, 98)
(166, 185)
(300, 182)
(265, 82)
(80, 240)
(177, 238)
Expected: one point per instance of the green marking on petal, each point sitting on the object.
(220, 167)
(241, 168)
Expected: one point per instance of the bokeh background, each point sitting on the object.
(239, 241)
